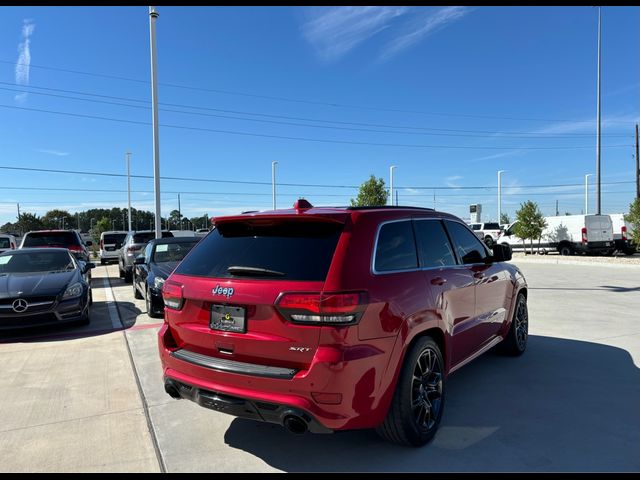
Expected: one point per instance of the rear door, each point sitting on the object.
(599, 228)
(241, 269)
(450, 287)
(472, 333)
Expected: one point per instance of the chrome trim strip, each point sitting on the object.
(232, 366)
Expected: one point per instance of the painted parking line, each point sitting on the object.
(111, 305)
(144, 327)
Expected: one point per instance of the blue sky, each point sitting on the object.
(450, 95)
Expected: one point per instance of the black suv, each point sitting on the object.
(69, 239)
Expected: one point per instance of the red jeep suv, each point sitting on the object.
(337, 318)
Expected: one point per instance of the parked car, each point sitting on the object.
(43, 286)
(326, 319)
(7, 242)
(152, 267)
(568, 234)
(69, 239)
(487, 232)
(622, 231)
(132, 245)
(110, 244)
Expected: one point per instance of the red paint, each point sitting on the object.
(346, 374)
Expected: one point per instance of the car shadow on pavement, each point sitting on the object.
(100, 324)
(565, 405)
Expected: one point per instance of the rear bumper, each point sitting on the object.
(595, 246)
(104, 255)
(343, 388)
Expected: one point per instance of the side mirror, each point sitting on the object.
(501, 253)
(88, 243)
(140, 260)
(86, 266)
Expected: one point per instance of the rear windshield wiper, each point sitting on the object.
(241, 270)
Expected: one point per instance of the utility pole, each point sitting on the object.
(391, 168)
(557, 211)
(598, 146)
(397, 198)
(434, 199)
(179, 213)
(129, 186)
(637, 166)
(273, 183)
(78, 220)
(500, 194)
(123, 227)
(153, 15)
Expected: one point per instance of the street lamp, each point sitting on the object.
(500, 194)
(586, 193)
(598, 114)
(63, 219)
(91, 225)
(273, 183)
(391, 168)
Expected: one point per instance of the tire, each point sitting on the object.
(149, 303)
(102, 261)
(515, 343)
(488, 241)
(416, 426)
(90, 296)
(120, 271)
(565, 250)
(629, 252)
(86, 320)
(136, 292)
(128, 277)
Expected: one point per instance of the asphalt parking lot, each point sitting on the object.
(91, 398)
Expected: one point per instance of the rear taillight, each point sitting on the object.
(131, 250)
(13, 246)
(75, 248)
(101, 244)
(624, 233)
(584, 235)
(328, 308)
(172, 295)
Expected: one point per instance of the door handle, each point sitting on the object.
(478, 275)
(438, 281)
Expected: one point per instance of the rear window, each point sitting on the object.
(50, 239)
(4, 243)
(148, 236)
(286, 250)
(396, 247)
(111, 238)
(491, 226)
(172, 252)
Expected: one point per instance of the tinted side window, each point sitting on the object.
(465, 243)
(433, 244)
(491, 226)
(147, 252)
(396, 249)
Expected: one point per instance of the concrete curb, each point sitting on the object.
(549, 261)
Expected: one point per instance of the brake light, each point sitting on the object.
(131, 249)
(101, 244)
(339, 308)
(13, 246)
(75, 248)
(624, 233)
(172, 295)
(584, 235)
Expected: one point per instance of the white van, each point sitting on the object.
(622, 231)
(569, 234)
(7, 242)
(110, 243)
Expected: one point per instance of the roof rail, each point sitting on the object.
(390, 206)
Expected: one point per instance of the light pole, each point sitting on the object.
(598, 146)
(63, 219)
(273, 183)
(391, 168)
(113, 224)
(586, 193)
(500, 172)
(91, 224)
(129, 186)
(153, 15)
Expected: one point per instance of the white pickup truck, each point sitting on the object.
(487, 232)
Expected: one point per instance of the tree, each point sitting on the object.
(174, 218)
(504, 219)
(633, 217)
(58, 219)
(102, 225)
(371, 194)
(531, 222)
(567, 213)
(30, 221)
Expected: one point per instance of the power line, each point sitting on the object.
(188, 179)
(484, 133)
(308, 139)
(286, 99)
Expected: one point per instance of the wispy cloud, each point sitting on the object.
(452, 181)
(57, 153)
(510, 153)
(24, 58)
(334, 31)
(588, 125)
(424, 25)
